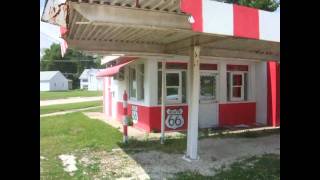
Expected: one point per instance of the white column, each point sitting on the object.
(223, 82)
(163, 101)
(192, 139)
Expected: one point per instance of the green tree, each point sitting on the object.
(71, 65)
(267, 5)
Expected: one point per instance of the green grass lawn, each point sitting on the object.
(72, 133)
(70, 93)
(70, 106)
(77, 134)
(266, 167)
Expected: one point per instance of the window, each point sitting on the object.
(84, 80)
(237, 83)
(208, 86)
(136, 82)
(176, 78)
(173, 87)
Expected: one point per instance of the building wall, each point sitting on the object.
(94, 83)
(229, 113)
(58, 83)
(82, 84)
(261, 92)
(44, 86)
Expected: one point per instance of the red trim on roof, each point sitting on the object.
(111, 71)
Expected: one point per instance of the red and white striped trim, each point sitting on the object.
(232, 20)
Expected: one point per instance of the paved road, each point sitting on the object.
(69, 100)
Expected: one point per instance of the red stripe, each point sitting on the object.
(231, 67)
(273, 93)
(208, 66)
(245, 22)
(193, 7)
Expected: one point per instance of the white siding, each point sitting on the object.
(44, 86)
(261, 92)
(58, 83)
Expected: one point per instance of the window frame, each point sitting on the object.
(232, 73)
(179, 100)
(138, 75)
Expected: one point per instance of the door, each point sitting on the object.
(208, 106)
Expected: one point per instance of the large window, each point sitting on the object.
(136, 82)
(237, 83)
(175, 83)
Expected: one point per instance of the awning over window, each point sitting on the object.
(111, 71)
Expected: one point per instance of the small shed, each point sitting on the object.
(53, 81)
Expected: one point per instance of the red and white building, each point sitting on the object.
(185, 64)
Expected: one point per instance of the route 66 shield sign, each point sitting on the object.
(174, 118)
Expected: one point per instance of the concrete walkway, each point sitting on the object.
(70, 111)
(69, 100)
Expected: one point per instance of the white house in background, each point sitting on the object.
(88, 80)
(53, 81)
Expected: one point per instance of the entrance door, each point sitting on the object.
(208, 107)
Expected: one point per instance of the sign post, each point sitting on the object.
(125, 117)
(163, 101)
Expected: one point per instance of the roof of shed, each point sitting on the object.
(47, 75)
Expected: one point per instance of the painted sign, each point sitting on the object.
(174, 118)
(134, 114)
(55, 12)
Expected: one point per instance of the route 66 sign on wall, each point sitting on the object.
(174, 118)
(134, 114)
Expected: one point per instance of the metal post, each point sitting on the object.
(125, 117)
(163, 101)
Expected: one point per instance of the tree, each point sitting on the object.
(71, 65)
(267, 5)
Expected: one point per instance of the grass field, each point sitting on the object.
(79, 135)
(72, 133)
(266, 167)
(66, 94)
(70, 106)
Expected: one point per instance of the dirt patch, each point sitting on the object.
(213, 152)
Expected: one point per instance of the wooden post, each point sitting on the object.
(192, 135)
(163, 101)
